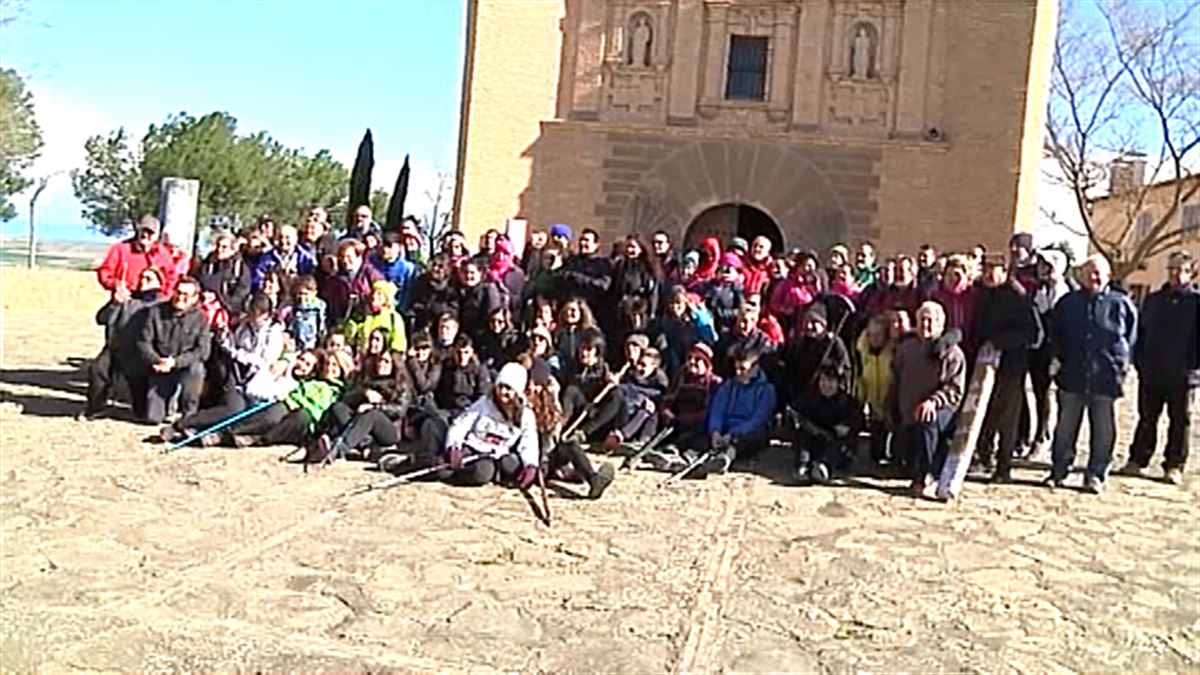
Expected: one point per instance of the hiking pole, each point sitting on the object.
(404, 478)
(228, 421)
(592, 404)
(685, 470)
(632, 460)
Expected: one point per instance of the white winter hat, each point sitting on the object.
(514, 375)
(1057, 260)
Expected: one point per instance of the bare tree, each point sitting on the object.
(438, 221)
(1126, 82)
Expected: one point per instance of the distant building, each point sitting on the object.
(809, 121)
(1131, 209)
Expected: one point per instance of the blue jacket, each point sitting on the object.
(1092, 335)
(401, 273)
(302, 263)
(742, 409)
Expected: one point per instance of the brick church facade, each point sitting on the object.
(809, 121)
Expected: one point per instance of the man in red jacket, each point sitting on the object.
(125, 261)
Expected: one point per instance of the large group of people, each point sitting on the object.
(514, 361)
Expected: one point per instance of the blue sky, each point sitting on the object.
(312, 74)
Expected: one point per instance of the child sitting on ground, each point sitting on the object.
(423, 369)
(685, 408)
(641, 391)
(827, 423)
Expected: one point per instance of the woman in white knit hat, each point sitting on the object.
(495, 439)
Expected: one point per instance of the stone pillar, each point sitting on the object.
(685, 61)
(589, 59)
(177, 202)
(714, 66)
(781, 59)
(914, 63)
(810, 65)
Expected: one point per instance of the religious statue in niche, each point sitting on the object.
(862, 52)
(641, 40)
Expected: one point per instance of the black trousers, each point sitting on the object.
(370, 428)
(1040, 379)
(1151, 401)
(160, 388)
(743, 447)
(1003, 417)
(275, 425)
(570, 453)
(486, 470)
(232, 402)
(813, 448)
(601, 419)
(101, 374)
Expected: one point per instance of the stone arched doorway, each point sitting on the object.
(726, 221)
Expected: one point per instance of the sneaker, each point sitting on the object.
(1054, 482)
(169, 434)
(665, 459)
(820, 473)
(242, 441)
(393, 462)
(715, 464)
(210, 440)
(1174, 476)
(1093, 485)
(600, 482)
(1132, 469)
(802, 473)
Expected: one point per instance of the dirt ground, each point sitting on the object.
(117, 558)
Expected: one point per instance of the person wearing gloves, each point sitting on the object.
(496, 438)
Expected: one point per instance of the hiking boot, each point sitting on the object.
(1132, 469)
(393, 462)
(1174, 476)
(820, 473)
(321, 451)
(1000, 476)
(612, 440)
(1093, 485)
(600, 482)
(717, 464)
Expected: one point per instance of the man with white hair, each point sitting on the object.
(928, 380)
(1092, 333)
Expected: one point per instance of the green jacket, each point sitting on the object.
(358, 331)
(314, 397)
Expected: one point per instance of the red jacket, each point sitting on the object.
(756, 276)
(123, 263)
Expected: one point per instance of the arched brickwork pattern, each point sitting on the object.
(805, 190)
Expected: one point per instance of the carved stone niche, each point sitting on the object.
(864, 54)
(636, 60)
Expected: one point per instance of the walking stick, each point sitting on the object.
(685, 470)
(228, 421)
(632, 460)
(592, 404)
(404, 478)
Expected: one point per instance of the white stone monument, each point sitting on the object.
(177, 204)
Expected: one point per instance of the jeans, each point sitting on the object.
(1102, 423)
(925, 443)
(1151, 400)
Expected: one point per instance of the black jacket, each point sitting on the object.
(431, 298)
(587, 277)
(229, 279)
(186, 337)
(1005, 317)
(474, 305)
(458, 387)
(1167, 353)
(805, 356)
(123, 323)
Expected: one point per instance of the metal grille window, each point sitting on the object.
(747, 76)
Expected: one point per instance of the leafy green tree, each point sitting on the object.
(379, 204)
(20, 139)
(241, 177)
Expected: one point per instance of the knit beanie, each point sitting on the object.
(561, 230)
(514, 375)
(704, 352)
(817, 312)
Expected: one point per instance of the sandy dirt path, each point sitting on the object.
(114, 557)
